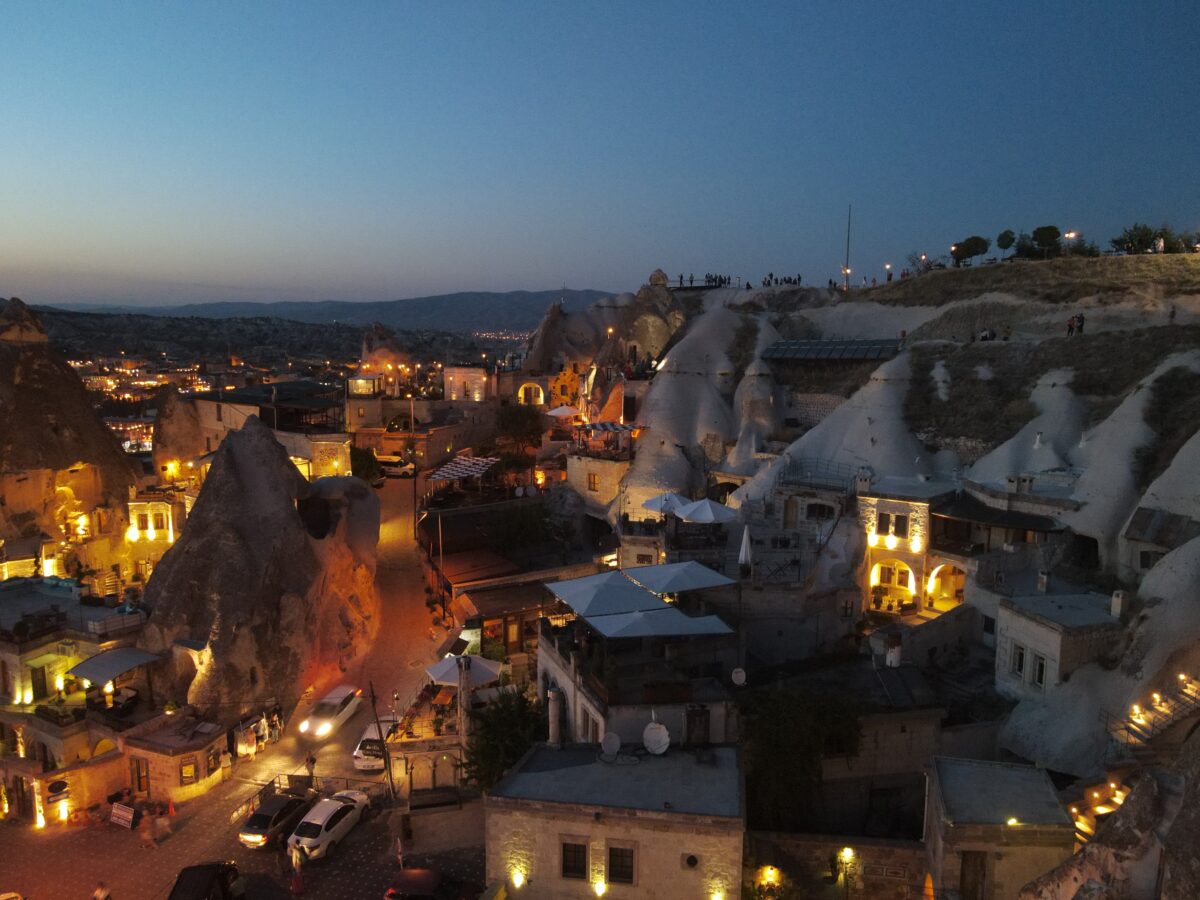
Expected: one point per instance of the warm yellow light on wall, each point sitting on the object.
(108, 687)
(847, 854)
(64, 812)
(891, 541)
(518, 878)
(874, 575)
(81, 526)
(915, 545)
(872, 539)
(600, 888)
(28, 696)
(769, 876)
(59, 682)
(131, 533)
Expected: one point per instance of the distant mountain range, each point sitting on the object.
(468, 311)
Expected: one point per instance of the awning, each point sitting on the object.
(110, 664)
(44, 660)
(968, 508)
(606, 426)
(667, 621)
(464, 467)
(675, 577)
(604, 594)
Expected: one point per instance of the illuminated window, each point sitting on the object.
(593, 481)
(1018, 660)
(143, 522)
(574, 860)
(187, 770)
(620, 865)
(160, 522)
(214, 760)
(901, 526)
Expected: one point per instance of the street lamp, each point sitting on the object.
(846, 859)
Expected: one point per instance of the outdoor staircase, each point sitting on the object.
(1093, 804)
(1136, 731)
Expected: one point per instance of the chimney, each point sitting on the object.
(862, 481)
(554, 699)
(1120, 604)
(1043, 582)
(894, 653)
(1037, 441)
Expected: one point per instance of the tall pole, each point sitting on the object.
(846, 267)
(412, 429)
(387, 758)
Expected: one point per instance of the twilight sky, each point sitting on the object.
(173, 152)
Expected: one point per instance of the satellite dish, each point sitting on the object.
(656, 739)
(610, 744)
(738, 676)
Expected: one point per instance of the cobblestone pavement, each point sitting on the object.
(61, 863)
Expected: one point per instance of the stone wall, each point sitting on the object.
(883, 869)
(810, 409)
(527, 837)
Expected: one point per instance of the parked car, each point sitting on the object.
(331, 711)
(209, 881)
(327, 824)
(368, 755)
(399, 469)
(274, 820)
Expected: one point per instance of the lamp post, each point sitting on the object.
(412, 440)
(846, 859)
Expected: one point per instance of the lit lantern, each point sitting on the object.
(1013, 821)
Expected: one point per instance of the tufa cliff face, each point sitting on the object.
(273, 577)
(177, 434)
(57, 460)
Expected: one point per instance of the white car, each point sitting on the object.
(331, 711)
(368, 755)
(327, 824)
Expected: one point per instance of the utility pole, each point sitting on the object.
(846, 267)
(387, 756)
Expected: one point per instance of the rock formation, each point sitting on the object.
(271, 587)
(57, 460)
(177, 434)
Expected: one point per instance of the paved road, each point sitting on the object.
(66, 862)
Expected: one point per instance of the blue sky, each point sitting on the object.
(172, 152)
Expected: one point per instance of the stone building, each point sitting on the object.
(572, 823)
(991, 827)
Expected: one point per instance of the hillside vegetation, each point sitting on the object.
(1063, 280)
(984, 412)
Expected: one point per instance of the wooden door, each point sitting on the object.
(974, 873)
(38, 674)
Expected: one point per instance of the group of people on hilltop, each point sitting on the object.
(1075, 325)
(778, 280)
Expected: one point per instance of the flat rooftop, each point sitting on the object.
(903, 488)
(179, 736)
(20, 597)
(977, 792)
(1085, 610)
(708, 783)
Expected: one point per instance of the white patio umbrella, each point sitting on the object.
(563, 412)
(705, 512)
(483, 671)
(745, 556)
(665, 503)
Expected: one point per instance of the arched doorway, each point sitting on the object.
(531, 394)
(944, 587)
(893, 586)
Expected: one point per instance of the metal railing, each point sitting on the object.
(819, 473)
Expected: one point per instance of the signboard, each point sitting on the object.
(122, 815)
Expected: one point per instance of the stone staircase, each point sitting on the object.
(1137, 731)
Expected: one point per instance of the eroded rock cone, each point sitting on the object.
(271, 586)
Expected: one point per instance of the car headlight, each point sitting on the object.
(255, 839)
(304, 726)
(324, 729)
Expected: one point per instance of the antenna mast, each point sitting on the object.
(846, 267)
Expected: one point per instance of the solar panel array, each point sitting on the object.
(464, 467)
(835, 351)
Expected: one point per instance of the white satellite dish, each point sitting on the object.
(738, 676)
(656, 739)
(610, 744)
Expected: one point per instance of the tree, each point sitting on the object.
(1024, 247)
(1048, 239)
(520, 426)
(968, 248)
(786, 735)
(1005, 239)
(501, 733)
(1137, 238)
(1082, 247)
(364, 465)
(919, 262)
